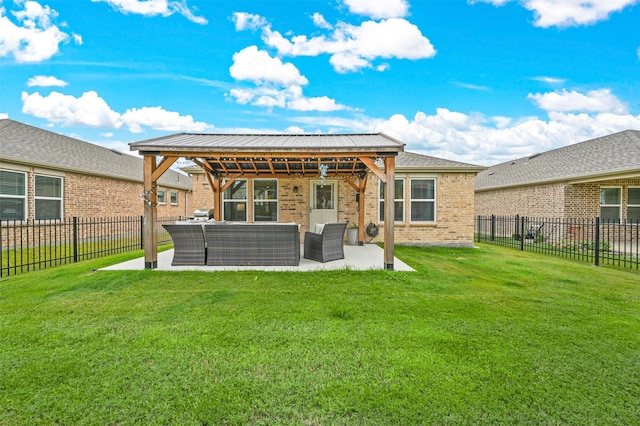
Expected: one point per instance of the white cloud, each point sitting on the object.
(248, 21)
(549, 80)
(378, 9)
(258, 66)
(291, 98)
(160, 119)
(3, 115)
(90, 110)
(593, 101)
(638, 52)
(320, 22)
(35, 37)
(568, 13)
(46, 81)
(155, 8)
(471, 86)
(476, 139)
(351, 47)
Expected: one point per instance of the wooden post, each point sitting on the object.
(389, 214)
(217, 197)
(150, 234)
(362, 188)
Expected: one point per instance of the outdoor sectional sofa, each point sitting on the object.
(225, 244)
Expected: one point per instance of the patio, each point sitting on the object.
(366, 257)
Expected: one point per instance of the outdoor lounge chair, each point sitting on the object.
(533, 231)
(326, 246)
(188, 244)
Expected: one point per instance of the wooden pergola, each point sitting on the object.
(227, 157)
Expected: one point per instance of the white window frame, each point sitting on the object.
(245, 200)
(23, 197)
(177, 197)
(395, 200)
(619, 206)
(427, 200)
(163, 196)
(40, 197)
(631, 205)
(272, 200)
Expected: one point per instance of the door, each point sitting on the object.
(324, 203)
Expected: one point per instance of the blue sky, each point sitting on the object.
(481, 81)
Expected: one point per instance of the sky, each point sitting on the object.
(477, 81)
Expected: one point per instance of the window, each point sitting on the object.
(610, 204)
(398, 199)
(423, 200)
(13, 190)
(174, 198)
(265, 200)
(234, 202)
(633, 206)
(48, 197)
(162, 196)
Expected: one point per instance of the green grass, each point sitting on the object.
(475, 336)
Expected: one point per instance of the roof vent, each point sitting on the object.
(534, 156)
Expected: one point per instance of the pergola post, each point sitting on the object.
(389, 214)
(361, 194)
(149, 232)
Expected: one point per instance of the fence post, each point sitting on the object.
(597, 241)
(522, 233)
(141, 232)
(75, 239)
(493, 227)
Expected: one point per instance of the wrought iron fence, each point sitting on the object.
(589, 240)
(31, 245)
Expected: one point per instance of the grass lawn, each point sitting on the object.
(475, 336)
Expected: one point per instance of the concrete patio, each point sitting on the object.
(366, 257)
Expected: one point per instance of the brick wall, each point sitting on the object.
(454, 207)
(557, 200)
(536, 201)
(454, 225)
(95, 196)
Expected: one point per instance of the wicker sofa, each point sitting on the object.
(252, 244)
(223, 244)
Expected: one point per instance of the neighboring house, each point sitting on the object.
(598, 177)
(45, 175)
(434, 200)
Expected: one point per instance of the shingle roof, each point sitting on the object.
(220, 142)
(412, 160)
(24, 144)
(617, 154)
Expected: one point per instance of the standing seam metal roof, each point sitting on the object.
(270, 142)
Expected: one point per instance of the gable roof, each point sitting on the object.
(28, 145)
(220, 143)
(411, 161)
(608, 157)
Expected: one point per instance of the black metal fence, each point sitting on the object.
(588, 240)
(31, 245)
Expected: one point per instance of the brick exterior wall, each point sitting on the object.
(535, 201)
(454, 207)
(557, 200)
(94, 196)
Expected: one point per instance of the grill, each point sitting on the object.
(203, 214)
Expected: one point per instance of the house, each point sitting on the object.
(598, 177)
(312, 179)
(45, 175)
(433, 200)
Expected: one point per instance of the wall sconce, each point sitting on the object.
(295, 189)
